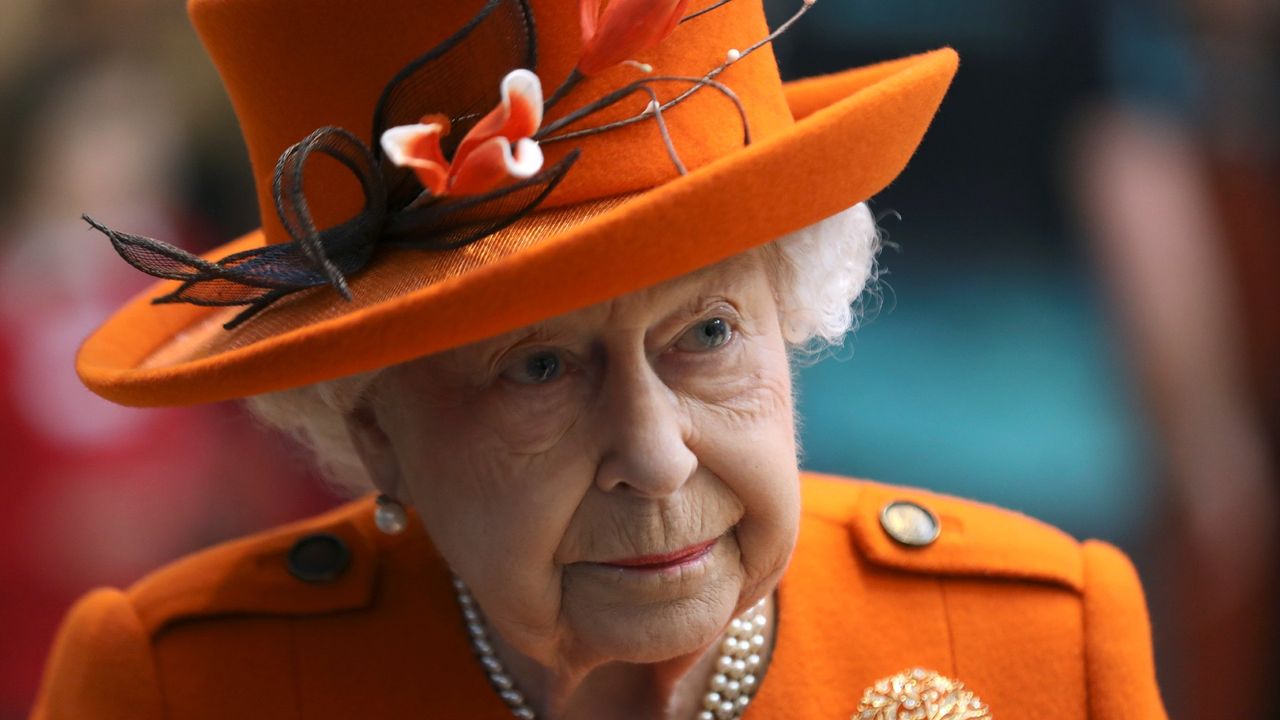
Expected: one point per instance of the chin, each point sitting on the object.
(653, 633)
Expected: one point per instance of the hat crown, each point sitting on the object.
(293, 66)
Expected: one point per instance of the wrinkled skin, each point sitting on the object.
(635, 427)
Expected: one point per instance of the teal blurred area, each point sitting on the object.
(999, 381)
(991, 369)
(1077, 311)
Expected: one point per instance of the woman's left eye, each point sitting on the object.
(706, 335)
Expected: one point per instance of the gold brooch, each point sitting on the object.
(920, 695)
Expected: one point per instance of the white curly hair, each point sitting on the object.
(824, 278)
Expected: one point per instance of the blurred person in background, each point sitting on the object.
(97, 128)
(1178, 175)
(1125, 346)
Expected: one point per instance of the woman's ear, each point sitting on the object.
(374, 448)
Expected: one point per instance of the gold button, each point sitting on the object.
(910, 523)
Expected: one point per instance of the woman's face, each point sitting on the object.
(612, 484)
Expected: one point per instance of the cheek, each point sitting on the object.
(497, 515)
(532, 420)
(484, 456)
(743, 412)
(746, 437)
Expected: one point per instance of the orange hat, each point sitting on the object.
(426, 195)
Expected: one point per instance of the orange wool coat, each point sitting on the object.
(1036, 624)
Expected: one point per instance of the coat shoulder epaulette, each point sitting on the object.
(322, 564)
(919, 531)
(1003, 600)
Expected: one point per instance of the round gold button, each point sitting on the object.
(910, 523)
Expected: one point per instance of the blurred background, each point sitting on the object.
(1077, 316)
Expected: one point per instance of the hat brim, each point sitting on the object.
(854, 133)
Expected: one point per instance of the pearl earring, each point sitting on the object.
(390, 516)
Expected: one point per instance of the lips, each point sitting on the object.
(666, 560)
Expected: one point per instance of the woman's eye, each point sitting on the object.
(536, 368)
(706, 335)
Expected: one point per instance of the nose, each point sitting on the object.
(645, 433)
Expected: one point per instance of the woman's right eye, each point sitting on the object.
(536, 368)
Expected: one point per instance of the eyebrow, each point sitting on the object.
(726, 275)
(534, 334)
(730, 266)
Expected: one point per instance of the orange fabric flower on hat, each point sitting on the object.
(623, 29)
(498, 148)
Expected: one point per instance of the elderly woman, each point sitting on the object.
(553, 334)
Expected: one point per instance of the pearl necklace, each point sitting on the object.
(729, 691)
